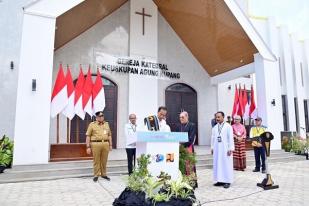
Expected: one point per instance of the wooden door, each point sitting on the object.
(79, 126)
(181, 97)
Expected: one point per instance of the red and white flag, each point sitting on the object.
(246, 105)
(59, 99)
(236, 99)
(69, 111)
(78, 102)
(253, 109)
(98, 94)
(87, 94)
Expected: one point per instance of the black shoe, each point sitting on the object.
(107, 178)
(256, 170)
(218, 184)
(95, 179)
(263, 171)
(226, 185)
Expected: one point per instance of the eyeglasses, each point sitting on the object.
(181, 117)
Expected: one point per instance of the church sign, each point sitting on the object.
(135, 66)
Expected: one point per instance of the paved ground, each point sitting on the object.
(293, 179)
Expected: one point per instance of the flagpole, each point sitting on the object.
(77, 130)
(68, 130)
(57, 128)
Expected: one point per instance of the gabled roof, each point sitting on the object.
(217, 33)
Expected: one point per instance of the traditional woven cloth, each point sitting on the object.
(152, 123)
(239, 154)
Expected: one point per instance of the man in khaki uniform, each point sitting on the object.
(99, 142)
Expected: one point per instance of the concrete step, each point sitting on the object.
(58, 170)
(251, 162)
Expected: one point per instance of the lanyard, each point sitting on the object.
(220, 128)
(133, 127)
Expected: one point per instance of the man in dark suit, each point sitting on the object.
(189, 127)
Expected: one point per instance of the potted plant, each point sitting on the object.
(186, 165)
(286, 143)
(174, 192)
(297, 145)
(6, 153)
(134, 193)
(145, 190)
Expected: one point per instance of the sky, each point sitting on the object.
(292, 13)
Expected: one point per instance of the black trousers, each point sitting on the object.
(131, 155)
(259, 153)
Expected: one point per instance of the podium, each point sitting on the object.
(163, 148)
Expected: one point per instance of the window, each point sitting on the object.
(302, 74)
(296, 113)
(306, 115)
(285, 113)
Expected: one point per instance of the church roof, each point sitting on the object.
(216, 32)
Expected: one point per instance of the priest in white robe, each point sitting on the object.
(157, 122)
(222, 147)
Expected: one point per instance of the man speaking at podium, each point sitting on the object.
(157, 123)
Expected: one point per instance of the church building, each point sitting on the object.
(182, 54)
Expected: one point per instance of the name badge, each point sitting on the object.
(219, 139)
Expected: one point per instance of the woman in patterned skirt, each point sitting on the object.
(239, 154)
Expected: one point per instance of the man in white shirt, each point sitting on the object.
(130, 132)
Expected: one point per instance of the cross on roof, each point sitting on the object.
(143, 14)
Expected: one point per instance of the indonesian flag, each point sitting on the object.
(98, 94)
(240, 110)
(235, 106)
(78, 102)
(87, 94)
(245, 104)
(69, 109)
(252, 110)
(59, 99)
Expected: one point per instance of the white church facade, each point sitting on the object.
(204, 48)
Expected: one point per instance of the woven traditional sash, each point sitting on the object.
(152, 123)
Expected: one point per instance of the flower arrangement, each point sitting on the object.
(145, 190)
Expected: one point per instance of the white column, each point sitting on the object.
(288, 74)
(297, 54)
(143, 98)
(268, 89)
(33, 107)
